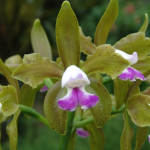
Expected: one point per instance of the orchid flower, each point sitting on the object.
(75, 80)
(130, 73)
(82, 133)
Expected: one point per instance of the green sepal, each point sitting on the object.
(67, 36)
(7, 73)
(97, 137)
(102, 110)
(106, 23)
(139, 110)
(135, 42)
(146, 92)
(12, 131)
(86, 44)
(72, 140)
(40, 41)
(35, 69)
(97, 76)
(13, 62)
(145, 24)
(120, 91)
(9, 100)
(141, 136)
(27, 94)
(127, 134)
(105, 60)
(56, 117)
(142, 65)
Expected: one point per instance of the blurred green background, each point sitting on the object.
(16, 19)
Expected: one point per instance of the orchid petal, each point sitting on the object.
(83, 133)
(86, 100)
(69, 101)
(131, 74)
(131, 58)
(44, 89)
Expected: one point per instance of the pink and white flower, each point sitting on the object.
(130, 73)
(75, 80)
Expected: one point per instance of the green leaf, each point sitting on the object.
(144, 25)
(86, 44)
(120, 91)
(105, 60)
(8, 99)
(40, 41)
(7, 73)
(27, 94)
(139, 110)
(72, 140)
(67, 36)
(13, 62)
(56, 117)
(127, 134)
(135, 42)
(142, 65)
(35, 69)
(141, 136)
(102, 111)
(97, 137)
(106, 22)
(12, 131)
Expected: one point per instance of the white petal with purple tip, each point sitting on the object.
(131, 58)
(131, 74)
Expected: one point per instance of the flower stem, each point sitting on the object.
(106, 79)
(31, 112)
(90, 119)
(64, 139)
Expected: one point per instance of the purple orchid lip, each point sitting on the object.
(131, 74)
(76, 97)
(81, 132)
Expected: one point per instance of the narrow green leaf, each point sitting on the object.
(145, 24)
(139, 110)
(106, 22)
(13, 62)
(86, 44)
(12, 131)
(35, 69)
(120, 93)
(135, 42)
(105, 60)
(127, 134)
(72, 140)
(40, 41)
(97, 137)
(8, 99)
(141, 136)
(56, 117)
(102, 111)
(27, 95)
(67, 36)
(7, 73)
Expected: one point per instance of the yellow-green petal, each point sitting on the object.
(56, 117)
(145, 24)
(106, 22)
(40, 41)
(35, 69)
(86, 44)
(127, 134)
(8, 99)
(106, 61)
(67, 36)
(135, 42)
